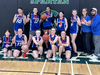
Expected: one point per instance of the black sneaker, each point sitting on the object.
(87, 54)
(41, 57)
(83, 53)
(75, 54)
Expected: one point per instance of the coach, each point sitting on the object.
(95, 26)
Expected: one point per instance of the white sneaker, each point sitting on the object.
(54, 58)
(5, 54)
(93, 57)
(22, 51)
(98, 54)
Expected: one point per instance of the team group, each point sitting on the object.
(58, 40)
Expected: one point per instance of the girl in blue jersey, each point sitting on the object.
(19, 20)
(20, 41)
(86, 31)
(61, 23)
(34, 24)
(75, 21)
(64, 45)
(7, 45)
(37, 44)
(47, 24)
(53, 38)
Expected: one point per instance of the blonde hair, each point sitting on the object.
(38, 31)
(74, 10)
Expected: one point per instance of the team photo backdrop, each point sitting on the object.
(8, 8)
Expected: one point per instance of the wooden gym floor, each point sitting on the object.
(80, 65)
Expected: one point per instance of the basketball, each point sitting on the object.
(45, 37)
(43, 17)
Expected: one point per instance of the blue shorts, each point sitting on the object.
(68, 48)
(9, 48)
(73, 30)
(47, 28)
(18, 48)
(50, 48)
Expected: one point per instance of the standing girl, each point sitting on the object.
(61, 23)
(75, 21)
(86, 31)
(34, 24)
(19, 20)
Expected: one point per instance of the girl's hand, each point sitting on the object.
(28, 15)
(7, 46)
(0, 41)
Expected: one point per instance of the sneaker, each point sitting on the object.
(75, 54)
(58, 58)
(94, 57)
(83, 53)
(27, 51)
(5, 54)
(24, 55)
(98, 54)
(53, 58)
(87, 54)
(41, 57)
(20, 53)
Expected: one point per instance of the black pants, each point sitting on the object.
(87, 42)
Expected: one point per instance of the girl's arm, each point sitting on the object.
(66, 23)
(67, 44)
(40, 42)
(78, 21)
(56, 39)
(15, 17)
(87, 22)
(28, 18)
(24, 20)
(25, 41)
(13, 40)
(35, 41)
(55, 22)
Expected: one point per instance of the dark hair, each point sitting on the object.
(20, 8)
(86, 10)
(49, 8)
(61, 12)
(7, 30)
(63, 31)
(53, 28)
(20, 28)
(37, 13)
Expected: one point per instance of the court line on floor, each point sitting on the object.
(27, 72)
(59, 67)
(43, 67)
(19, 71)
(72, 67)
(88, 67)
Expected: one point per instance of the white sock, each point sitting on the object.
(5, 54)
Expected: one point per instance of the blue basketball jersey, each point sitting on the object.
(18, 41)
(47, 22)
(74, 25)
(52, 39)
(19, 23)
(6, 41)
(34, 45)
(34, 22)
(61, 24)
(64, 42)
